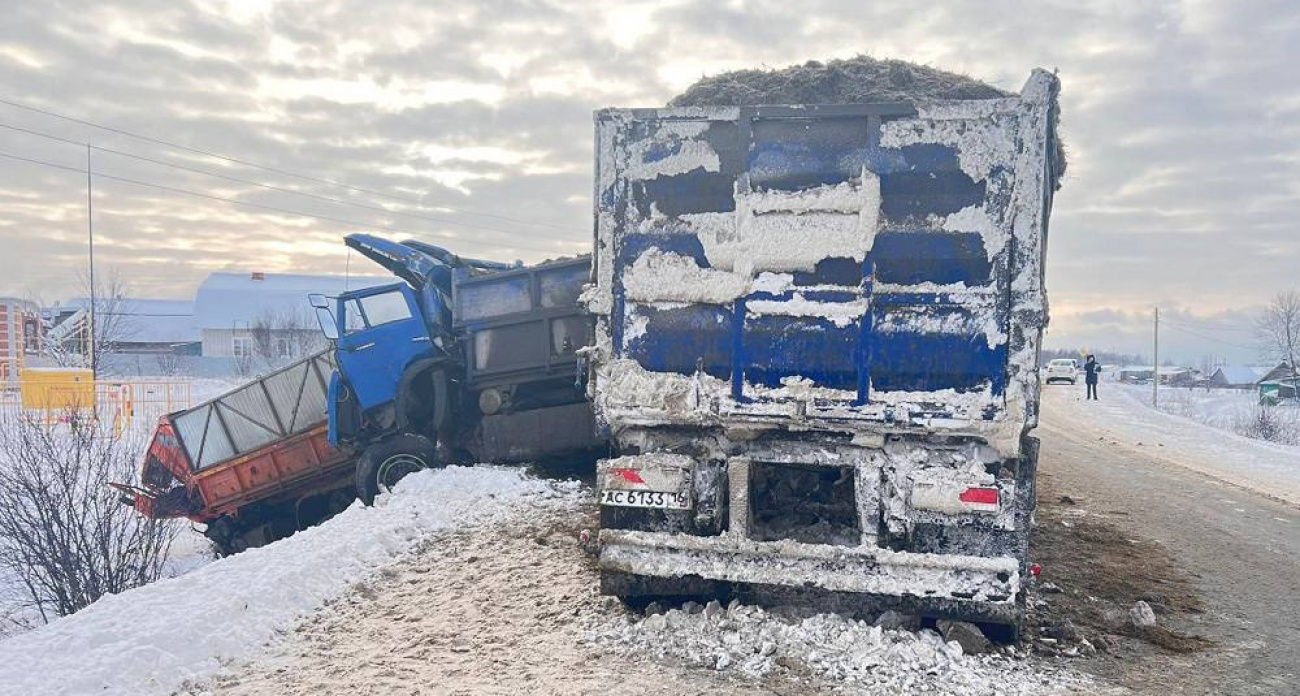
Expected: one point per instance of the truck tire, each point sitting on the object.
(384, 463)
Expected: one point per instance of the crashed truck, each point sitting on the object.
(463, 361)
(816, 350)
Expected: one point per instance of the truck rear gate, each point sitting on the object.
(830, 316)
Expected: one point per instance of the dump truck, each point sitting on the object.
(817, 341)
(463, 361)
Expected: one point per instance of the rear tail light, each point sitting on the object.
(980, 496)
(629, 475)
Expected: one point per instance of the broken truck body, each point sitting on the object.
(817, 345)
(463, 361)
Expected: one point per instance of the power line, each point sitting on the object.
(1205, 325)
(260, 206)
(1220, 324)
(1176, 327)
(259, 184)
(277, 170)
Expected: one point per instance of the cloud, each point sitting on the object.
(1181, 119)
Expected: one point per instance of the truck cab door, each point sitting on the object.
(381, 333)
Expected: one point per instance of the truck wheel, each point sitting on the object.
(385, 463)
(226, 536)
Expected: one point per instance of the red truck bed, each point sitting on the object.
(298, 465)
(265, 442)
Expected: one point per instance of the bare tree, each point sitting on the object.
(169, 364)
(283, 336)
(1278, 329)
(68, 344)
(64, 533)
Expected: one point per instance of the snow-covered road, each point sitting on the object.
(1123, 419)
(154, 639)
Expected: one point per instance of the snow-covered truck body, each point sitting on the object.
(817, 347)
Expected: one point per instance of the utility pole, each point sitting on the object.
(90, 234)
(1155, 367)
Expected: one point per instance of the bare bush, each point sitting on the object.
(1270, 423)
(169, 364)
(65, 537)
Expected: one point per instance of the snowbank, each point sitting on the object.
(1125, 416)
(153, 639)
(758, 643)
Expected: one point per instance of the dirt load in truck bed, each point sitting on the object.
(857, 80)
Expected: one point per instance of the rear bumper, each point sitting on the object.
(939, 579)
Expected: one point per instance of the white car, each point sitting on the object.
(1062, 370)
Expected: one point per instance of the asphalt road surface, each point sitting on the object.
(1241, 549)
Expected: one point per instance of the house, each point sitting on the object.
(1282, 370)
(233, 318)
(1169, 375)
(1275, 391)
(236, 313)
(20, 335)
(1236, 376)
(124, 326)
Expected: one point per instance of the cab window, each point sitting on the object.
(352, 312)
(385, 308)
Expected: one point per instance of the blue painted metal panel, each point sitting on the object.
(909, 258)
(907, 361)
(887, 349)
(682, 339)
(636, 244)
(776, 347)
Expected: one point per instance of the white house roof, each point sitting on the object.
(236, 300)
(1242, 374)
(143, 320)
(1164, 369)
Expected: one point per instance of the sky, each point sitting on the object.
(469, 125)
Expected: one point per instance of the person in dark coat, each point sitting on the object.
(1092, 371)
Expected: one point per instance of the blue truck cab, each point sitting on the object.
(464, 361)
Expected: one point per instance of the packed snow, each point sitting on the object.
(1124, 416)
(153, 639)
(854, 655)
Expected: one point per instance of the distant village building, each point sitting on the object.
(1279, 384)
(1236, 376)
(20, 335)
(232, 318)
(126, 326)
(1281, 371)
(232, 311)
(1170, 375)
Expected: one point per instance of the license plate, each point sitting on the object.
(646, 499)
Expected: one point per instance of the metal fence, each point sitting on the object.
(123, 404)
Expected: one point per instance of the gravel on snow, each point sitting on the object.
(852, 655)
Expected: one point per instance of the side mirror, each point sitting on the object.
(324, 316)
(327, 324)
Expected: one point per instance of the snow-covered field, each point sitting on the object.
(1202, 438)
(153, 639)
